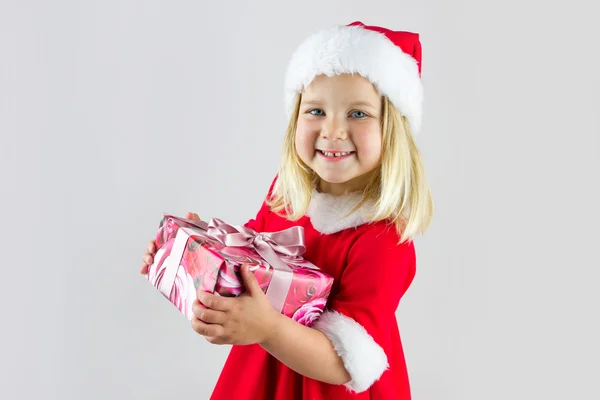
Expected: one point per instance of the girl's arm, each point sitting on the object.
(250, 319)
(346, 344)
(305, 350)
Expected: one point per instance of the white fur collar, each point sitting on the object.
(327, 212)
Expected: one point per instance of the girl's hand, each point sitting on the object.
(148, 257)
(246, 319)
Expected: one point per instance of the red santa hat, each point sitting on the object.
(391, 60)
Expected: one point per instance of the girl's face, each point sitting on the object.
(338, 133)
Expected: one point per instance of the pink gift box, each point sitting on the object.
(195, 255)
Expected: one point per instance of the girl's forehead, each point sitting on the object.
(341, 87)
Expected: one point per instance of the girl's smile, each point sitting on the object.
(335, 155)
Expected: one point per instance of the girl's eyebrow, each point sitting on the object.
(311, 102)
(362, 104)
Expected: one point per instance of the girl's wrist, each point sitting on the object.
(270, 327)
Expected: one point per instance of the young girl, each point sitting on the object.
(352, 176)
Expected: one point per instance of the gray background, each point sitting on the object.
(112, 112)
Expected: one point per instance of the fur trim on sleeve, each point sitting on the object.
(363, 358)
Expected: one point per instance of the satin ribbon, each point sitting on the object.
(172, 262)
(273, 247)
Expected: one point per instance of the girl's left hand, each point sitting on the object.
(246, 319)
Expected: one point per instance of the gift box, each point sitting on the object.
(196, 255)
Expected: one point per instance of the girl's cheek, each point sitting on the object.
(303, 146)
(304, 135)
(368, 145)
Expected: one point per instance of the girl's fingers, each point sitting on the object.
(192, 216)
(148, 259)
(204, 329)
(208, 316)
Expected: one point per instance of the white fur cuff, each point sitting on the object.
(363, 358)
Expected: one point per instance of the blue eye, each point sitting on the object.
(317, 112)
(358, 114)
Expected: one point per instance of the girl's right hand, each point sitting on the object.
(148, 257)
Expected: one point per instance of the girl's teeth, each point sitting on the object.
(329, 154)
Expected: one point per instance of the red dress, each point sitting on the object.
(371, 273)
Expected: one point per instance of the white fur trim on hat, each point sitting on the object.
(363, 358)
(354, 49)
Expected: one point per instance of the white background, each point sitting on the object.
(112, 112)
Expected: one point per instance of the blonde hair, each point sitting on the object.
(399, 189)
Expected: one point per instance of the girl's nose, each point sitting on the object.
(334, 130)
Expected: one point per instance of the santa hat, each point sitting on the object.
(391, 60)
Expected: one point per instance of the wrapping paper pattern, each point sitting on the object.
(189, 259)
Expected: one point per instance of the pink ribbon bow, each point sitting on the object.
(270, 245)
